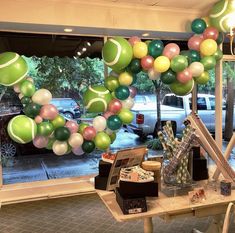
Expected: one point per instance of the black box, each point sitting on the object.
(131, 205)
(132, 189)
(101, 182)
(104, 168)
(196, 152)
(200, 171)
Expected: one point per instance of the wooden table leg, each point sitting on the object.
(148, 225)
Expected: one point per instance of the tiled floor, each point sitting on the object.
(82, 214)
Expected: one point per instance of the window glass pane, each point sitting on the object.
(201, 103)
(212, 103)
(173, 101)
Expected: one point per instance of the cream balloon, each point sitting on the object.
(128, 103)
(20, 96)
(42, 97)
(75, 140)
(196, 68)
(153, 75)
(59, 147)
(16, 88)
(99, 123)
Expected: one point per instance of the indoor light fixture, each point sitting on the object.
(145, 34)
(83, 49)
(88, 43)
(79, 53)
(68, 29)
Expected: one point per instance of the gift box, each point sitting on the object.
(104, 168)
(131, 205)
(101, 182)
(200, 171)
(133, 189)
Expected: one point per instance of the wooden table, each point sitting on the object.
(172, 207)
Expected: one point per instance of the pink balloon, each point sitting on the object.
(115, 106)
(48, 112)
(107, 114)
(78, 151)
(72, 126)
(89, 133)
(134, 39)
(16, 88)
(38, 119)
(147, 62)
(171, 50)
(40, 141)
(211, 33)
(184, 76)
(194, 42)
(133, 91)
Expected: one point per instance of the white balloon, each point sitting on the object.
(60, 148)
(75, 140)
(196, 68)
(128, 103)
(42, 97)
(99, 123)
(20, 96)
(153, 75)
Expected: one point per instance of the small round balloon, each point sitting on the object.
(198, 26)
(78, 151)
(42, 97)
(171, 50)
(126, 116)
(122, 92)
(182, 89)
(89, 133)
(184, 76)
(48, 112)
(88, 146)
(32, 110)
(147, 62)
(75, 140)
(99, 123)
(111, 83)
(128, 103)
(194, 42)
(211, 33)
(40, 141)
(161, 64)
(208, 47)
(102, 141)
(115, 106)
(59, 121)
(133, 91)
(72, 126)
(27, 88)
(114, 122)
(140, 49)
(168, 77)
(179, 63)
(135, 66)
(60, 148)
(155, 48)
(203, 78)
(62, 133)
(125, 79)
(153, 75)
(196, 68)
(133, 40)
(208, 62)
(45, 128)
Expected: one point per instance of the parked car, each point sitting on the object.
(68, 107)
(176, 109)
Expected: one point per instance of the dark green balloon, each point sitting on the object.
(134, 79)
(88, 146)
(155, 48)
(32, 110)
(114, 122)
(45, 128)
(220, 38)
(193, 56)
(208, 62)
(218, 54)
(26, 100)
(185, 53)
(62, 133)
(168, 77)
(122, 92)
(179, 63)
(198, 26)
(134, 66)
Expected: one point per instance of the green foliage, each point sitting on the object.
(154, 144)
(144, 84)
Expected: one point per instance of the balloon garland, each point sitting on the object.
(42, 123)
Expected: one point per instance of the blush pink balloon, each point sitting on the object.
(147, 62)
(40, 141)
(89, 133)
(48, 112)
(115, 106)
(133, 91)
(171, 50)
(38, 119)
(211, 33)
(194, 42)
(72, 126)
(78, 151)
(184, 76)
(107, 114)
(134, 39)
(16, 88)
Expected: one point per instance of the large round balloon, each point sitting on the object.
(182, 89)
(114, 122)
(117, 53)
(111, 83)
(179, 63)
(42, 97)
(102, 141)
(155, 48)
(96, 99)
(22, 129)
(32, 110)
(45, 129)
(13, 68)
(62, 133)
(222, 15)
(168, 77)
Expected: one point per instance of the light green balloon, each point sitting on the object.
(27, 88)
(45, 128)
(111, 83)
(126, 116)
(59, 121)
(102, 141)
(182, 89)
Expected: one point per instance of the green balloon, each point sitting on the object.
(155, 48)
(26, 100)
(218, 54)
(168, 77)
(126, 116)
(113, 137)
(208, 62)
(193, 56)
(179, 63)
(45, 128)
(182, 89)
(111, 83)
(198, 26)
(220, 38)
(59, 121)
(82, 126)
(27, 88)
(114, 122)
(88, 146)
(135, 66)
(102, 140)
(32, 110)
(134, 79)
(50, 143)
(62, 133)
(185, 53)
(203, 78)
(122, 92)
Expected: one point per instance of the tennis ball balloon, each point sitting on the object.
(222, 15)
(22, 129)
(117, 53)
(13, 68)
(182, 89)
(96, 99)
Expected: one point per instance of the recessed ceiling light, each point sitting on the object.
(68, 30)
(145, 34)
(78, 53)
(83, 49)
(88, 43)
